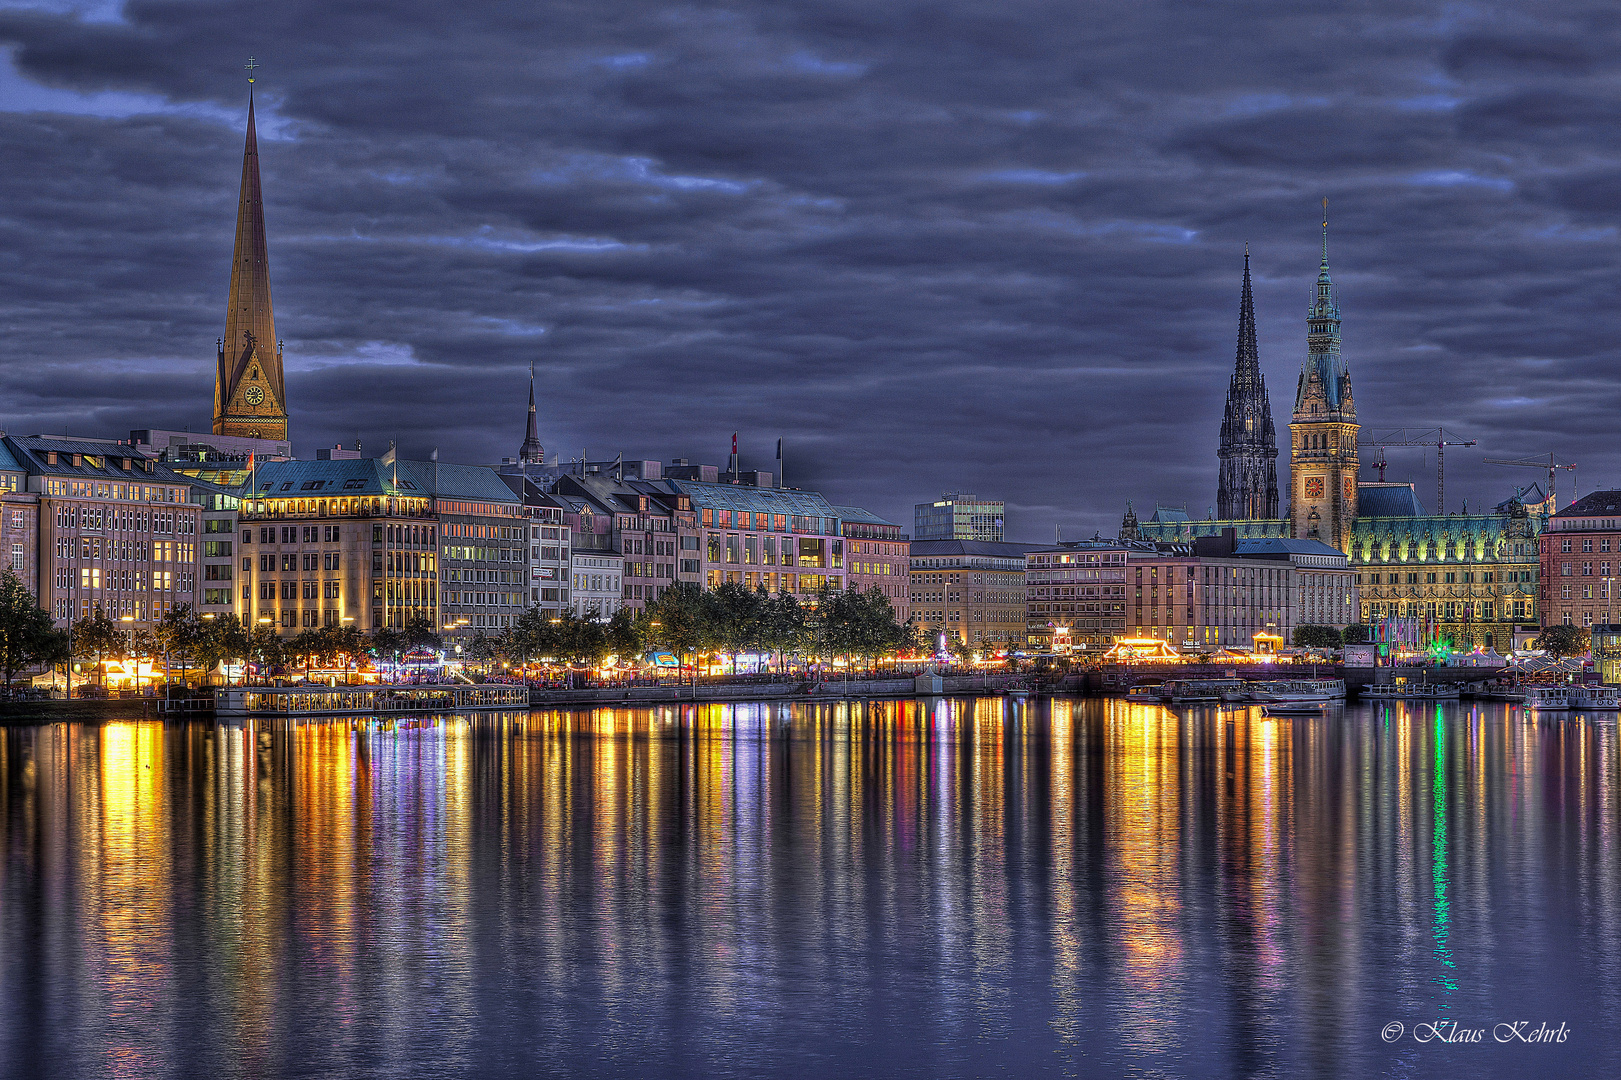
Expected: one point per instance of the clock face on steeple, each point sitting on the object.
(254, 395)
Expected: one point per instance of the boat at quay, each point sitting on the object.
(385, 699)
(1425, 691)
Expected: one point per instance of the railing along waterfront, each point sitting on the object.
(341, 700)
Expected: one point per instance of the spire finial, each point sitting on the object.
(1325, 234)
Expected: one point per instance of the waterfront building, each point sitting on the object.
(1472, 578)
(642, 521)
(959, 515)
(220, 508)
(780, 538)
(19, 520)
(1075, 595)
(1323, 431)
(1248, 484)
(595, 584)
(550, 563)
(973, 590)
(101, 527)
(1223, 591)
(1580, 560)
(371, 541)
(249, 396)
(878, 556)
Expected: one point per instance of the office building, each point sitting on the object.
(877, 556)
(1075, 595)
(375, 541)
(972, 590)
(959, 516)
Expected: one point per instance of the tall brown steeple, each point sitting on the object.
(248, 394)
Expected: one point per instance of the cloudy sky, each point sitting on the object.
(948, 245)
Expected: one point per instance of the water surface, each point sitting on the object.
(970, 887)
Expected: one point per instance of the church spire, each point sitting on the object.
(532, 452)
(248, 389)
(1248, 483)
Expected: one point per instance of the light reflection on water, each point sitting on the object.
(955, 887)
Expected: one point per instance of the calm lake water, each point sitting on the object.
(970, 887)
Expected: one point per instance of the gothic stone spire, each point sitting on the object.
(248, 390)
(1248, 484)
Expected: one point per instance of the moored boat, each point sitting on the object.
(1411, 692)
(1595, 698)
(1548, 698)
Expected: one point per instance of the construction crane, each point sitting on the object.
(1436, 437)
(1537, 463)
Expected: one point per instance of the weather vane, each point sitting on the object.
(1325, 204)
(250, 65)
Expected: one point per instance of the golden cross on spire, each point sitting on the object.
(1325, 213)
(250, 65)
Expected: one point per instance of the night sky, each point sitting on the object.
(989, 247)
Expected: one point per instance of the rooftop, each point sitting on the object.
(752, 499)
(1599, 502)
(370, 476)
(1387, 500)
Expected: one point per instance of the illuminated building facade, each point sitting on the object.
(781, 539)
(374, 542)
(1474, 578)
(101, 528)
(1323, 432)
(249, 396)
(1580, 560)
(1075, 594)
(974, 590)
(877, 556)
(959, 515)
(1224, 591)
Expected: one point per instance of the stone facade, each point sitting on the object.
(1323, 431)
(1474, 578)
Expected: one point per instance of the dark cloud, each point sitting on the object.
(932, 246)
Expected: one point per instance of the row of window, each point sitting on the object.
(296, 590)
(99, 489)
(93, 577)
(119, 519)
(765, 551)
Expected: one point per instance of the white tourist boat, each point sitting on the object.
(1297, 691)
(1595, 698)
(1411, 692)
(1548, 698)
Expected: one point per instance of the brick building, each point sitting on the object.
(1581, 560)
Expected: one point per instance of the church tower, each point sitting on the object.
(1323, 430)
(1248, 487)
(248, 395)
(531, 452)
